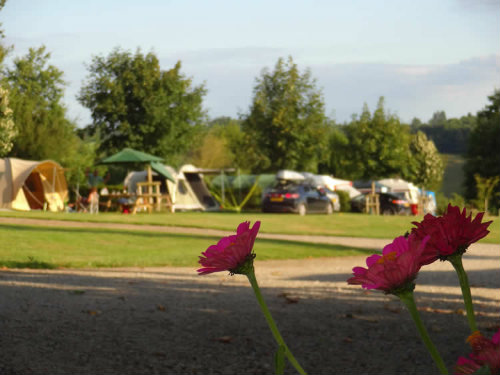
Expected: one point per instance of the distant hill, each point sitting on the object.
(453, 178)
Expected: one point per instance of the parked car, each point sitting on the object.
(297, 197)
(334, 198)
(390, 204)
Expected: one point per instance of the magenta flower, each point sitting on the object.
(450, 234)
(232, 253)
(484, 353)
(395, 270)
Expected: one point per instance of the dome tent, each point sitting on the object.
(29, 185)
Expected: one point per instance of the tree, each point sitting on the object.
(36, 90)
(285, 127)
(425, 162)
(483, 156)
(219, 144)
(8, 129)
(136, 104)
(335, 163)
(378, 145)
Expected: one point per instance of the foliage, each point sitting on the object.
(36, 91)
(378, 146)
(217, 148)
(8, 129)
(442, 202)
(483, 156)
(449, 135)
(335, 163)
(285, 127)
(485, 187)
(426, 165)
(345, 200)
(136, 104)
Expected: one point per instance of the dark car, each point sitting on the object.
(297, 197)
(390, 204)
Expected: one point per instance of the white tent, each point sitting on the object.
(28, 185)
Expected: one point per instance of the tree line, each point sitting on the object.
(136, 103)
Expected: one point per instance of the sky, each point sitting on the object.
(422, 56)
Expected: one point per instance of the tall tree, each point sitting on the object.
(286, 125)
(36, 90)
(136, 104)
(483, 156)
(425, 163)
(378, 145)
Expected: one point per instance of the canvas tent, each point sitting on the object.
(187, 190)
(32, 185)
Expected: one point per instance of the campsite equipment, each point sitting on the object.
(187, 190)
(152, 189)
(131, 156)
(32, 185)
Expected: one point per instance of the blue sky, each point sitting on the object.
(421, 55)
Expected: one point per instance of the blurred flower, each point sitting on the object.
(484, 353)
(450, 234)
(395, 270)
(232, 253)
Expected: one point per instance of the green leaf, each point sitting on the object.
(279, 361)
(485, 370)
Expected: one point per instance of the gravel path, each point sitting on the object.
(171, 321)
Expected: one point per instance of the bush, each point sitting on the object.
(442, 202)
(345, 201)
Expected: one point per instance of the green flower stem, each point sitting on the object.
(456, 261)
(272, 324)
(409, 301)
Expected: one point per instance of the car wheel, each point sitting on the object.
(302, 209)
(329, 209)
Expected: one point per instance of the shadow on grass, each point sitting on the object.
(31, 263)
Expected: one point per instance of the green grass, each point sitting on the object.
(338, 224)
(47, 247)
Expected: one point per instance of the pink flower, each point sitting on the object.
(451, 233)
(394, 270)
(231, 253)
(484, 353)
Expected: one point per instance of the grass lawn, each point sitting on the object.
(43, 247)
(338, 224)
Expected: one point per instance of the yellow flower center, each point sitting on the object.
(387, 257)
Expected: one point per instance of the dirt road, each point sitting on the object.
(171, 321)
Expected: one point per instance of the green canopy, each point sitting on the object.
(129, 155)
(160, 168)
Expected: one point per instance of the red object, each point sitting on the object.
(414, 209)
